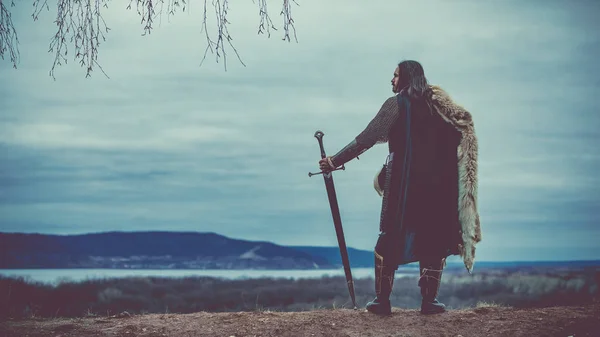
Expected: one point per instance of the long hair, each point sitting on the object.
(412, 80)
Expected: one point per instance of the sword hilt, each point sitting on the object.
(323, 172)
(319, 135)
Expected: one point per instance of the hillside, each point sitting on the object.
(194, 250)
(358, 258)
(576, 321)
(157, 250)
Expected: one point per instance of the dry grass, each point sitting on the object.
(22, 299)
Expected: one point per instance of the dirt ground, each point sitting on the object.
(485, 321)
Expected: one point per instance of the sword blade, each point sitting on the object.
(339, 231)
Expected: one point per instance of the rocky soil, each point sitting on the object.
(483, 321)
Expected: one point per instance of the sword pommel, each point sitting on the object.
(319, 135)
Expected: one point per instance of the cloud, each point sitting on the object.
(52, 135)
(166, 144)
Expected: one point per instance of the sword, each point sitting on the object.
(337, 221)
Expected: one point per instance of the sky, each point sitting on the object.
(167, 144)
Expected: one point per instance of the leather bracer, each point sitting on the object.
(349, 152)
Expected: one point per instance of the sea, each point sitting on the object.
(57, 276)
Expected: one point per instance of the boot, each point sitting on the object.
(384, 281)
(431, 277)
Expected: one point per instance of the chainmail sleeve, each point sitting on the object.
(376, 132)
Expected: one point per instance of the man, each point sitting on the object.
(428, 184)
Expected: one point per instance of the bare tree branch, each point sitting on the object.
(9, 41)
(81, 27)
(79, 23)
(221, 8)
(288, 21)
(265, 20)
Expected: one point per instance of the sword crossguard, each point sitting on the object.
(310, 174)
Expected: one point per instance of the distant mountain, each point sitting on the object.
(156, 250)
(193, 250)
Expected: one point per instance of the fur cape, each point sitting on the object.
(461, 119)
